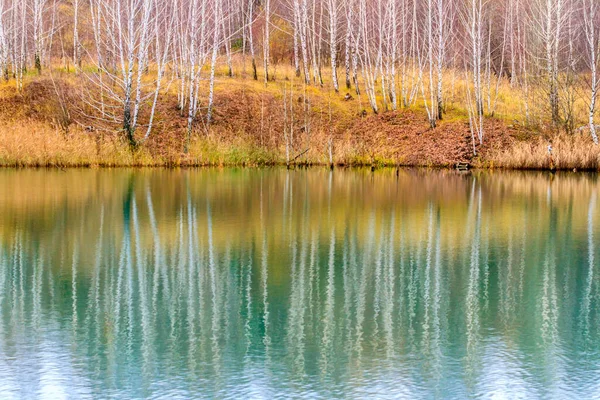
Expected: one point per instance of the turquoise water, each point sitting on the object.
(265, 283)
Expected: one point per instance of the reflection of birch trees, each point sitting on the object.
(336, 301)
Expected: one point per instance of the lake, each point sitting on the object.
(266, 283)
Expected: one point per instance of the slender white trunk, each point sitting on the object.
(251, 38)
(76, 50)
(393, 53)
(301, 14)
(141, 60)
(348, 41)
(440, 54)
(333, 21)
(161, 63)
(38, 33)
(4, 53)
(432, 113)
(267, 39)
(368, 69)
(296, 46)
(213, 61)
(592, 30)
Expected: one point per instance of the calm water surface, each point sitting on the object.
(272, 283)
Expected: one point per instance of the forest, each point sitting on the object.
(492, 83)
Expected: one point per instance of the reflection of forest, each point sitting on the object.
(42, 201)
(306, 273)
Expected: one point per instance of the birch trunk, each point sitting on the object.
(76, 44)
(251, 38)
(592, 31)
(267, 39)
(348, 41)
(213, 61)
(333, 21)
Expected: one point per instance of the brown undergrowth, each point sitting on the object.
(44, 127)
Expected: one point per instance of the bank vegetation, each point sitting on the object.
(497, 84)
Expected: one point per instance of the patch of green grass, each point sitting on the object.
(211, 152)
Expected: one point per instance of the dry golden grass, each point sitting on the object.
(35, 144)
(568, 152)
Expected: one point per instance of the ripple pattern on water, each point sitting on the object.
(275, 284)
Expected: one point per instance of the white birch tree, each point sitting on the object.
(127, 30)
(38, 11)
(332, 9)
(473, 19)
(266, 40)
(591, 14)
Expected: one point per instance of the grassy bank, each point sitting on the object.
(46, 125)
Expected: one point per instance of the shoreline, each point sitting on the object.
(305, 166)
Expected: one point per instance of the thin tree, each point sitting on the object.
(591, 14)
(126, 34)
(332, 8)
(76, 44)
(267, 40)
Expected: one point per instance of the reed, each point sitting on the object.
(561, 152)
